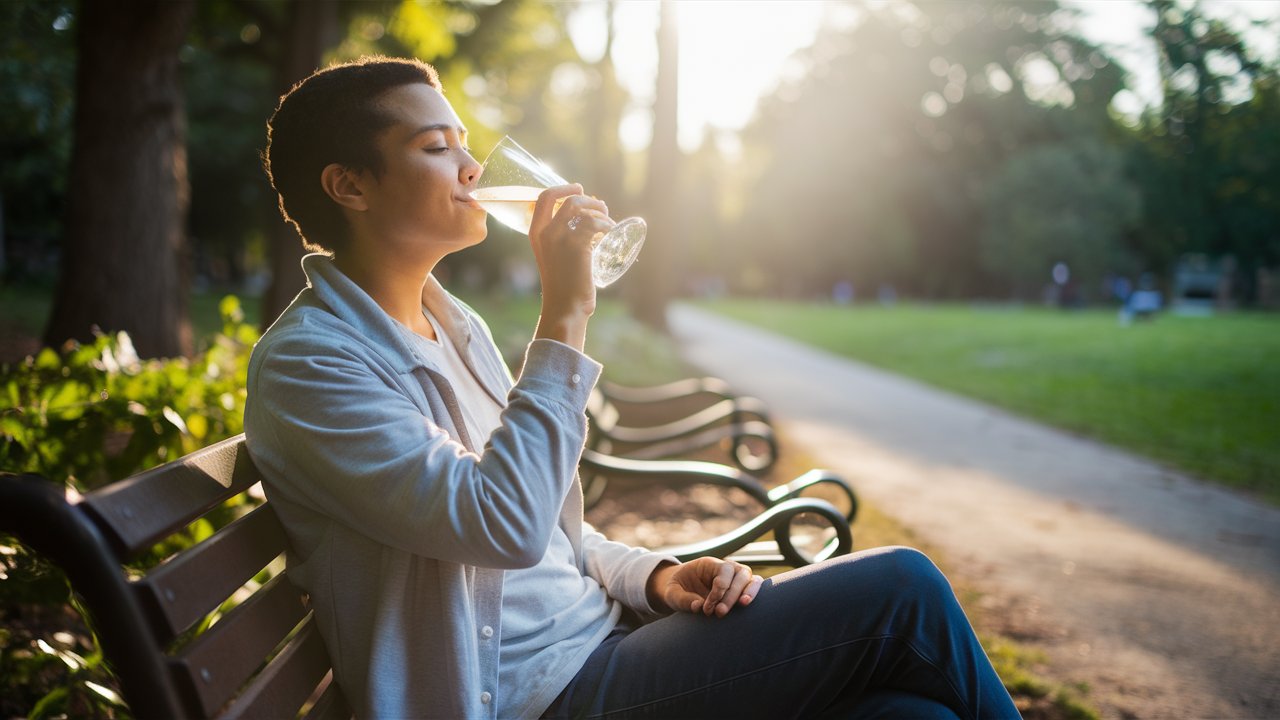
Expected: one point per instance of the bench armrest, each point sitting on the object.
(814, 478)
(37, 512)
(778, 520)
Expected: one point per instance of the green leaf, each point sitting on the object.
(68, 399)
(48, 360)
(11, 426)
(52, 704)
(230, 310)
(201, 530)
(246, 335)
(198, 425)
(175, 419)
(106, 693)
(14, 393)
(424, 29)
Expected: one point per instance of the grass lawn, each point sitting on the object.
(1202, 394)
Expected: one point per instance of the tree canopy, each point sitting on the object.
(964, 149)
(945, 150)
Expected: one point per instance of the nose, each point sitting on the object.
(470, 170)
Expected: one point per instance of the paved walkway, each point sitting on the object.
(1159, 591)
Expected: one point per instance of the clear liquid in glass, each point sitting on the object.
(511, 205)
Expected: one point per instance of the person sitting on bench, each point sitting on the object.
(431, 500)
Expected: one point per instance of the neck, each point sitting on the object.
(395, 285)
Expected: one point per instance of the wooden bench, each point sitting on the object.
(262, 656)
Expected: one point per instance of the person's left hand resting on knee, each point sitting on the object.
(705, 585)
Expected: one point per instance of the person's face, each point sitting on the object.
(422, 198)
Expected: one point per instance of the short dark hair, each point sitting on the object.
(332, 116)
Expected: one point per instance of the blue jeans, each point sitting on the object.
(874, 634)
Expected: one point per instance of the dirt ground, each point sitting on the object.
(1154, 590)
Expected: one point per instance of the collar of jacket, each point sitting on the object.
(353, 305)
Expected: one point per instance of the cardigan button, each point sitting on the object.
(485, 697)
(486, 632)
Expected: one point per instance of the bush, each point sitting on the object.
(84, 417)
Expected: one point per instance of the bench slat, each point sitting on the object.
(193, 584)
(141, 510)
(280, 690)
(218, 663)
(331, 705)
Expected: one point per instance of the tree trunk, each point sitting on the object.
(605, 114)
(651, 288)
(124, 258)
(312, 28)
(2, 250)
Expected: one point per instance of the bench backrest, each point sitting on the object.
(263, 657)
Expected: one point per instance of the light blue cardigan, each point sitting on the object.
(399, 530)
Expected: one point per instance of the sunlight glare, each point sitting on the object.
(730, 54)
(733, 52)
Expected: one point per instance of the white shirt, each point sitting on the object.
(550, 605)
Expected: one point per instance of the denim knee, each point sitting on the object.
(916, 568)
(909, 567)
(896, 577)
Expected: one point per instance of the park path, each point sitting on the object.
(1161, 592)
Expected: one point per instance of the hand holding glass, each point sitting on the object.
(508, 190)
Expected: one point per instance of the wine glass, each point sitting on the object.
(508, 190)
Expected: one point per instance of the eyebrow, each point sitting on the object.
(462, 132)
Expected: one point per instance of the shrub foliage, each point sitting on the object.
(83, 417)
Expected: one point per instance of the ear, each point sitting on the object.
(344, 186)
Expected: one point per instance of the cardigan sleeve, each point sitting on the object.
(337, 431)
(622, 570)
